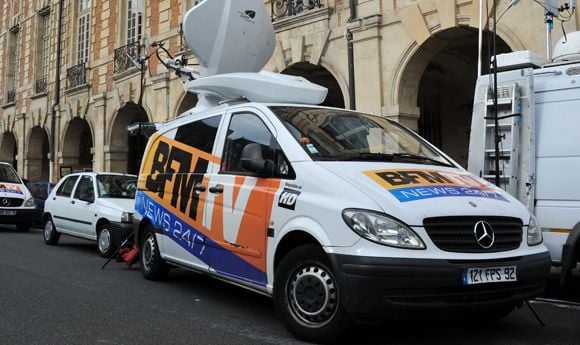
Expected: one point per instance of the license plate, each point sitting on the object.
(482, 275)
(7, 213)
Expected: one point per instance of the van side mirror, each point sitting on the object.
(253, 161)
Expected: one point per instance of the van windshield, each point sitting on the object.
(8, 175)
(342, 135)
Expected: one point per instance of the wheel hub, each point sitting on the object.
(104, 240)
(313, 296)
(148, 248)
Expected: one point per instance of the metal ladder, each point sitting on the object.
(509, 115)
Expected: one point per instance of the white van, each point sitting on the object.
(16, 203)
(334, 213)
(539, 150)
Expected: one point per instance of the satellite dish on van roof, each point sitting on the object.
(229, 36)
(570, 50)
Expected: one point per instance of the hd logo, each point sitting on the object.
(288, 198)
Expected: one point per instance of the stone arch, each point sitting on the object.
(188, 101)
(322, 76)
(435, 85)
(125, 150)
(9, 149)
(77, 145)
(37, 161)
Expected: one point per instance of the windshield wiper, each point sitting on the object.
(419, 159)
(390, 157)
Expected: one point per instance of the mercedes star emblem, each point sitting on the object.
(484, 234)
(5, 202)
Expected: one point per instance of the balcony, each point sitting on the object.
(281, 9)
(76, 76)
(41, 86)
(125, 56)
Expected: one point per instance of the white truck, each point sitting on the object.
(539, 143)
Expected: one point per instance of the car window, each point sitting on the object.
(199, 134)
(247, 128)
(244, 129)
(34, 190)
(85, 189)
(42, 191)
(117, 186)
(66, 187)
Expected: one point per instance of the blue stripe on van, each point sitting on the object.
(428, 192)
(193, 240)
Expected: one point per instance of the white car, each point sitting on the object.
(94, 206)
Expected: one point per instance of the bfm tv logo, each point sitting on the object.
(288, 198)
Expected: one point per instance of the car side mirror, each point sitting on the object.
(253, 161)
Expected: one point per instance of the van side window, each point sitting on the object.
(199, 134)
(244, 129)
(66, 187)
(85, 189)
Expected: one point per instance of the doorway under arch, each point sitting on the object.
(126, 149)
(37, 162)
(77, 146)
(321, 76)
(441, 76)
(9, 149)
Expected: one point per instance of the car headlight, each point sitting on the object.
(534, 232)
(29, 203)
(127, 217)
(382, 229)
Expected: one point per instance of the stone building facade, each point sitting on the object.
(414, 61)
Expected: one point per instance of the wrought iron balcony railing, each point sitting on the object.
(285, 8)
(76, 76)
(125, 56)
(41, 86)
(11, 96)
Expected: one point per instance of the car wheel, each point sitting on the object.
(307, 296)
(152, 265)
(105, 244)
(50, 234)
(23, 227)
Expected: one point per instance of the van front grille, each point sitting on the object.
(456, 234)
(11, 202)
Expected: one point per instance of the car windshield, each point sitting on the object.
(117, 186)
(8, 175)
(341, 135)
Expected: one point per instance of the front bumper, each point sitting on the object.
(371, 286)
(120, 232)
(19, 216)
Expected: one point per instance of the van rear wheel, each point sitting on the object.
(152, 265)
(307, 296)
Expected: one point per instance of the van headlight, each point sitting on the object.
(126, 217)
(29, 203)
(382, 229)
(534, 232)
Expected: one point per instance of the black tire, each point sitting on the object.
(152, 265)
(307, 296)
(50, 234)
(105, 244)
(23, 227)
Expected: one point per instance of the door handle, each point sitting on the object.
(217, 189)
(199, 187)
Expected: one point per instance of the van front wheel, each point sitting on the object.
(307, 296)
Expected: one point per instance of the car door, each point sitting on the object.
(239, 202)
(60, 205)
(82, 211)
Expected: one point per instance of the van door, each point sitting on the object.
(239, 202)
(175, 192)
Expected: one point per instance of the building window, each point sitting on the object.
(12, 72)
(134, 20)
(42, 54)
(83, 33)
